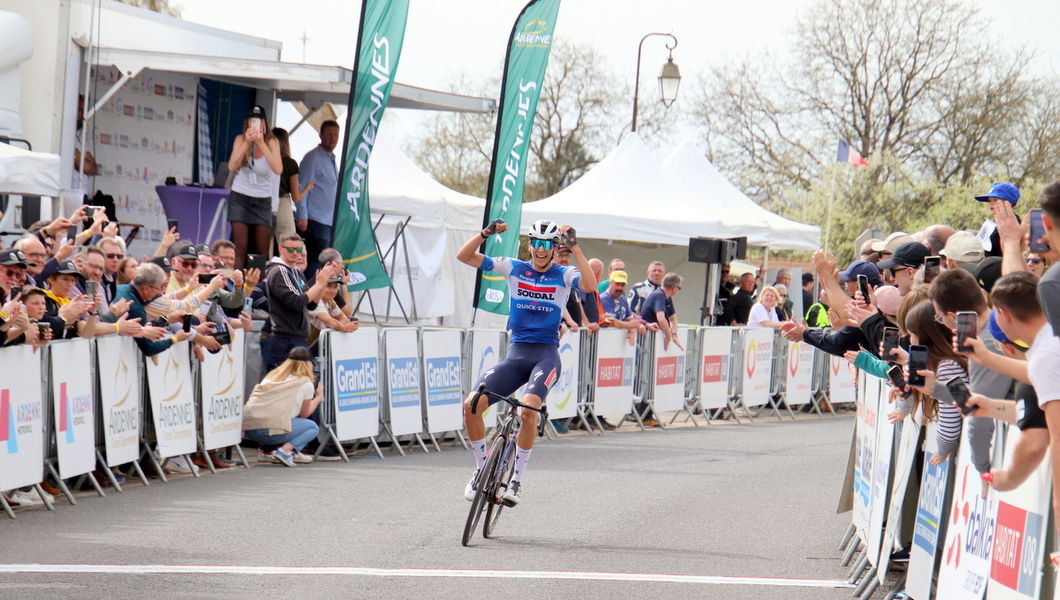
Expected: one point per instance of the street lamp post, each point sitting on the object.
(669, 76)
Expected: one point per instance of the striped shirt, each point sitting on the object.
(949, 418)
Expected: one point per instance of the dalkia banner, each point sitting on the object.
(524, 72)
(379, 42)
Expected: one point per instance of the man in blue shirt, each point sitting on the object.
(659, 310)
(316, 212)
(538, 290)
(616, 307)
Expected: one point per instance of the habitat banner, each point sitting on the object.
(524, 73)
(379, 40)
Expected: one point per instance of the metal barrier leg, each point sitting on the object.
(419, 439)
(849, 535)
(154, 461)
(873, 585)
(462, 439)
(434, 441)
(205, 457)
(393, 440)
(95, 484)
(7, 507)
(47, 503)
(859, 568)
(106, 470)
(242, 457)
(851, 549)
(379, 452)
(140, 472)
(869, 577)
(61, 483)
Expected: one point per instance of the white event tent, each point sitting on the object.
(27, 172)
(689, 169)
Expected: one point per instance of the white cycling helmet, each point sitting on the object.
(544, 230)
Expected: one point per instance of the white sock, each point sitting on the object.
(479, 448)
(521, 458)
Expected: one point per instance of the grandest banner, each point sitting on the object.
(524, 71)
(379, 40)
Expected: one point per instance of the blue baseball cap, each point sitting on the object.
(861, 267)
(1004, 191)
(999, 335)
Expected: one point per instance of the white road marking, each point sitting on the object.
(440, 573)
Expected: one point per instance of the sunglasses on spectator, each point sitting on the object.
(189, 264)
(542, 244)
(295, 249)
(115, 256)
(1034, 261)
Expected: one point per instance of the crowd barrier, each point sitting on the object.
(965, 540)
(78, 409)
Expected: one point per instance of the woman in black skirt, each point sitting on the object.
(257, 164)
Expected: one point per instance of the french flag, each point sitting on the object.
(846, 154)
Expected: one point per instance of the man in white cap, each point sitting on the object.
(963, 250)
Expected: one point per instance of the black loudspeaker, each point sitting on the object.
(707, 250)
(741, 248)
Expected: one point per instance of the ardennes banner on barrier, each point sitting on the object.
(172, 400)
(864, 461)
(563, 399)
(615, 370)
(798, 376)
(355, 373)
(841, 387)
(881, 471)
(1019, 539)
(379, 40)
(905, 458)
(930, 521)
(529, 46)
(73, 406)
(443, 368)
(21, 419)
(222, 390)
(404, 390)
(970, 533)
(486, 349)
(715, 350)
(757, 365)
(120, 402)
(668, 393)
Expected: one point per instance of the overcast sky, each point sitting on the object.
(444, 38)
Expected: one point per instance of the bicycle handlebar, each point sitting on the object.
(542, 410)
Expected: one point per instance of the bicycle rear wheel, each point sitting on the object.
(482, 488)
(504, 472)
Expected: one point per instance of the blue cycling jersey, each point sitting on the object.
(537, 299)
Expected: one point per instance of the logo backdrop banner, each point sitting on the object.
(21, 419)
(172, 400)
(524, 71)
(669, 392)
(443, 369)
(119, 390)
(222, 393)
(74, 408)
(716, 349)
(486, 348)
(563, 399)
(379, 41)
(615, 368)
(355, 373)
(757, 365)
(404, 381)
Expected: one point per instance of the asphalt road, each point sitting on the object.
(614, 513)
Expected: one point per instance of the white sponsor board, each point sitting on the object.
(798, 375)
(73, 407)
(172, 400)
(668, 393)
(404, 380)
(21, 418)
(969, 534)
(119, 390)
(563, 399)
(1019, 538)
(903, 468)
(930, 520)
(355, 382)
(486, 349)
(757, 365)
(222, 391)
(443, 371)
(840, 380)
(615, 370)
(881, 471)
(715, 350)
(866, 436)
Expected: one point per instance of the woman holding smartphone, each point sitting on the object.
(257, 163)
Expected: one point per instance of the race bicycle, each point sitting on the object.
(493, 478)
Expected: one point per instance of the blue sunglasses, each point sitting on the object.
(542, 244)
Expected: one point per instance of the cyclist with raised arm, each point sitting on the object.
(538, 289)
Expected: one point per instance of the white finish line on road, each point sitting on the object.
(442, 573)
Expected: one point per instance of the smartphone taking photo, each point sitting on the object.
(896, 376)
(918, 361)
(1037, 230)
(206, 278)
(960, 394)
(257, 261)
(967, 327)
(171, 225)
(890, 342)
(932, 266)
(186, 324)
(863, 287)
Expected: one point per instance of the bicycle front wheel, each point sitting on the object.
(504, 476)
(483, 487)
